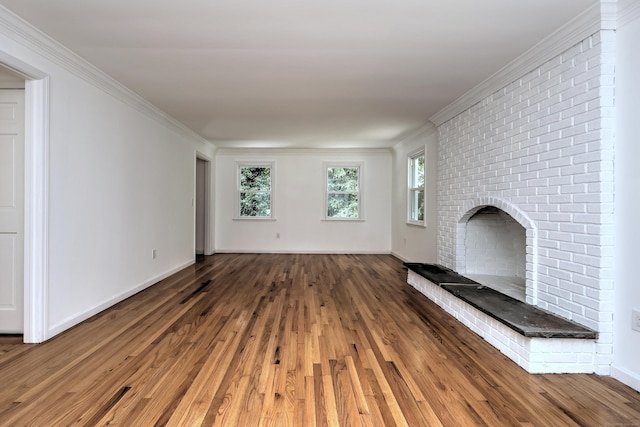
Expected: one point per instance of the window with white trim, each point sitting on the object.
(415, 195)
(254, 190)
(343, 191)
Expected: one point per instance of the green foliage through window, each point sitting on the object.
(343, 192)
(416, 188)
(255, 191)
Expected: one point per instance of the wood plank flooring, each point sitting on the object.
(289, 340)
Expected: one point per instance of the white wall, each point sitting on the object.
(121, 183)
(120, 186)
(626, 366)
(410, 242)
(298, 204)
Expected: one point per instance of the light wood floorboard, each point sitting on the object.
(289, 340)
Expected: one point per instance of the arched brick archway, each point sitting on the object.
(472, 207)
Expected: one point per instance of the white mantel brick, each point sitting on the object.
(542, 148)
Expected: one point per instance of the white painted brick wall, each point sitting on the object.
(495, 245)
(542, 148)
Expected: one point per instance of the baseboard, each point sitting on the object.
(400, 257)
(74, 320)
(302, 252)
(632, 379)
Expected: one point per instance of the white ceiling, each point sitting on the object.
(285, 73)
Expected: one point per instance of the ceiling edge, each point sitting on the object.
(576, 30)
(230, 151)
(425, 127)
(425, 131)
(22, 32)
(628, 12)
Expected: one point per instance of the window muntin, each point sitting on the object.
(343, 189)
(255, 191)
(416, 203)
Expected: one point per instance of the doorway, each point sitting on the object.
(12, 170)
(36, 196)
(202, 207)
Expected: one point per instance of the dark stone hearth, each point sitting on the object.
(523, 318)
(438, 274)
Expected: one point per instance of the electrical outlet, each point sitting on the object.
(153, 254)
(277, 235)
(635, 320)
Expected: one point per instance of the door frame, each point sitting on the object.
(208, 197)
(36, 198)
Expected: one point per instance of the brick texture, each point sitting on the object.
(495, 244)
(541, 149)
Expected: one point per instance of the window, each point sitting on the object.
(254, 191)
(415, 205)
(343, 190)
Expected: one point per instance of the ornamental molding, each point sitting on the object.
(600, 16)
(25, 34)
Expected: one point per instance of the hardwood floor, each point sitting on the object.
(300, 340)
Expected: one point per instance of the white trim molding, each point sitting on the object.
(36, 236)
(36, 198)
(300, 252)
(601, 15)
(27, 35)
(628, 11)
(257, 152)
(626, 376)
(425, 130)
(74, 320)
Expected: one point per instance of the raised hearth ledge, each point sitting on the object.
(523, 318)
(539, 353)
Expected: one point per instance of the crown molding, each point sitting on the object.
(238, 151)
(628, 11)
(425, 130)
(25, 34)
(600, 15)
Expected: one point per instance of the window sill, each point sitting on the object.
(417, 224)
(343, 219)
(252, 218)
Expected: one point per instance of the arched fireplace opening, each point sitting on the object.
(495, 251)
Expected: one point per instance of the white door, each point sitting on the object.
(11, 210)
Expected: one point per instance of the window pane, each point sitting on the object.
(342, 205)
(417, 205)
(418, 171)
(342, 179)
(255, 178)
(255, 204)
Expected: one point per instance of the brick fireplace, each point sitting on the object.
(539, 152)
(492, 250)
